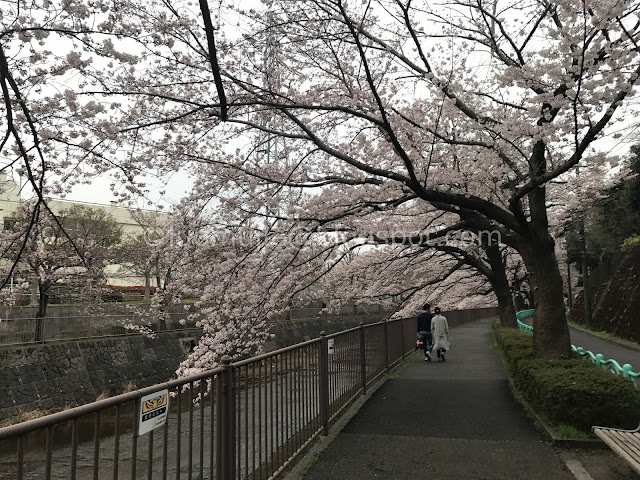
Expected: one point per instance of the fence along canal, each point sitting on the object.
(247, 419)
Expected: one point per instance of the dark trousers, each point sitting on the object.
(427, 341)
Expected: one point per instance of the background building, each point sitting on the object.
(129, 219)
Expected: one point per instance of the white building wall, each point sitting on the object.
(10, 201)
(9, 197)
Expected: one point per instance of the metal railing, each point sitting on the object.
(610, 365)
(34, 330)
(244, 420)
(15, 331)
(21, 331)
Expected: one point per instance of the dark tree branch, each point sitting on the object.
(213, 58)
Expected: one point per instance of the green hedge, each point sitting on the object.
(572, 392)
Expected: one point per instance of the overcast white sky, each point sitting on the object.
(99, 192)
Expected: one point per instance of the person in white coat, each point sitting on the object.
(440, 334)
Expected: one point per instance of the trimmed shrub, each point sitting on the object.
(515, 345)
(578, 393)
(572, 392)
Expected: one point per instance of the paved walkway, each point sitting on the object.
(454, 420)
(621, 351)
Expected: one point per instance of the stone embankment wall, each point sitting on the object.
(60, 375)
(615, 306)
(292, 331)
(55, 376)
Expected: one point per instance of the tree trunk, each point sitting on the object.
(550, 330)
(147, 287)
(43, 301)
(33, 287)
(500, 285)
(530, 297)
(505, 307)
(167, 277)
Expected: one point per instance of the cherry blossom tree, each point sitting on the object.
(479, 140)
(410, 275)
(138, 254)
(252, 266)
(9, 296)
(471, 108)
(241, 277)
(482, 251)
(73, 248)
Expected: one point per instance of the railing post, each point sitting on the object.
(363, 361)
(225, 451)
(402, 349)
(386, 346)
(323, 389)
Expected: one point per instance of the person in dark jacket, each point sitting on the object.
(424, 330)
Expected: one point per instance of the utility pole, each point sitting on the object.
(570, 296)
(585, 276)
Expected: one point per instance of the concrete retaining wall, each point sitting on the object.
(290, 332)
(55, 376)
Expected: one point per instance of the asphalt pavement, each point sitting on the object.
(619, 350)
(622, 351)
(454, 420)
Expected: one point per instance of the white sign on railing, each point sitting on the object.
(154, 409)
(330, 345)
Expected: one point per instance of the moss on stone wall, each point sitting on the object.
(618, 310)
(51, 377)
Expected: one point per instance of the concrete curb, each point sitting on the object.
(298, 469)
(560, 442)
(556, 441)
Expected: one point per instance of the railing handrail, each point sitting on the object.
(102, 316)
(355, 329)
(130, 333)
(264, 356)
(82, 410)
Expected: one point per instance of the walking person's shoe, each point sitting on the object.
(427, 357)
(442, 356)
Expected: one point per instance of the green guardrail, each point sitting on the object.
(523, 326)
(610, 365)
